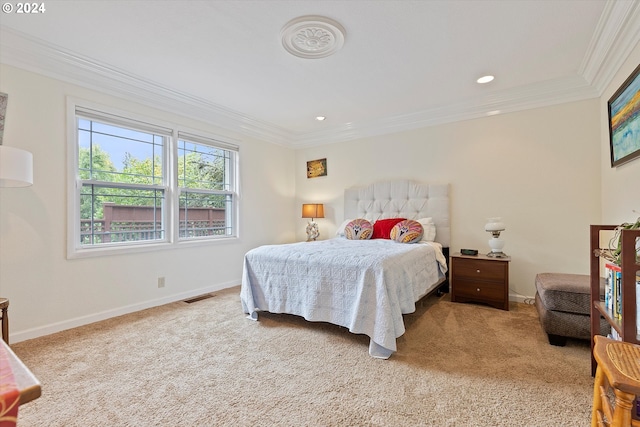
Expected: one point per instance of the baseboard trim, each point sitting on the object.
(519, 298)
(103, 315)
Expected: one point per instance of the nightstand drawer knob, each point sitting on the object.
(477, 271)
(478, 289)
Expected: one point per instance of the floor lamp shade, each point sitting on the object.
(16, 167)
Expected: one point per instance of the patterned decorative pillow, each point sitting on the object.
(407, 231)
(358, 229)
(340, 230)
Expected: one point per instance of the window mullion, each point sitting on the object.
(121, 185)
(171, 181)
(205, 191)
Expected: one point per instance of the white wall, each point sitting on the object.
(621, 185)
(538, 169)
(47, 292)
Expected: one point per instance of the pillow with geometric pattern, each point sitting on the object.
(358, 229)
(407, 231)
(340, 230)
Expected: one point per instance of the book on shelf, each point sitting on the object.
(614, 335)
(613, 290)
(608, 292)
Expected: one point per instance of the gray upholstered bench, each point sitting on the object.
(563, 303)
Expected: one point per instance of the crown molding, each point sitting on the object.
(23, 51)
(617, 33)
(523, 98)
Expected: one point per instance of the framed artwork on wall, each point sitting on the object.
(624, 121)
(316, 168)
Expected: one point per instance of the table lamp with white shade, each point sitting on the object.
(495, 226)
(16, 165)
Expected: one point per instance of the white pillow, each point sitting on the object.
(429, 229)
(340, 230)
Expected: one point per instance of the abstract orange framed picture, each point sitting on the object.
(316, 168)
(624, 121)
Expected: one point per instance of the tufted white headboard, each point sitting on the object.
(402, 198)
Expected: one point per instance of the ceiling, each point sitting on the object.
(403, 65)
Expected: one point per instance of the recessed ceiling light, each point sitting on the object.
(321, 118)
(485, 79)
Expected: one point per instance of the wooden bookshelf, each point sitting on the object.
(626, 325)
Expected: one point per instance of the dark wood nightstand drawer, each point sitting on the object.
(480, 291)
(480, 279)
(479, 269)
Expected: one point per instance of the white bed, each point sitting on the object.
(363, 285)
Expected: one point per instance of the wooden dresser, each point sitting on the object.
(480, 279)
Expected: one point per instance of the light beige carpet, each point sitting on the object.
(205, 364)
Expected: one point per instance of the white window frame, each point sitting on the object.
(232, 179)
(78, 109)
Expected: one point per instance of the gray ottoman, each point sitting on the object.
(563, 303)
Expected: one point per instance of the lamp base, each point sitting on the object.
(497, 254)
(496, 244)
(312, 231)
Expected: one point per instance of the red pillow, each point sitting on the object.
(382, 227)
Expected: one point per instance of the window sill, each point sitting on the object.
(144, 247)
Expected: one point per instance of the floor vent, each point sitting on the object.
(199, 298)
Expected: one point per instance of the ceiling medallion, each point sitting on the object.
(312, 36)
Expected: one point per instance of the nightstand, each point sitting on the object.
(480, 279)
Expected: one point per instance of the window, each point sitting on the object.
(205, 182)
(137, 184)
(122, 183)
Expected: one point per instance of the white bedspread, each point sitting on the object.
(363, 285)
